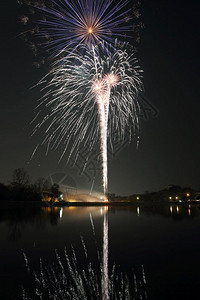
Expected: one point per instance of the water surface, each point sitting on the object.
(164, 239)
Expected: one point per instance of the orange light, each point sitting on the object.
(90, 30)
(72, 200)
(188, 195)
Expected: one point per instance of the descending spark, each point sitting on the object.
(84, 91)
(34, 151)
(73, 23)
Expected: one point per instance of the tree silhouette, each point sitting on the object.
(20, 178)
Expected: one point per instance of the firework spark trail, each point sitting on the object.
(84, 91)
(103, 137)
(103, 91)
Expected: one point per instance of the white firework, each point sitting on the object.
(88, 98)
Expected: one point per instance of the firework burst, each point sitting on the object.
(64, 24)
(91, 22)
(89, 97)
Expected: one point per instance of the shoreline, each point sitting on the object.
(37, 204)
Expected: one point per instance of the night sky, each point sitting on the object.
(169, 142)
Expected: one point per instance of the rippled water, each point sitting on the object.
(162, 239)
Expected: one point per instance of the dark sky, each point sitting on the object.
(169, 143)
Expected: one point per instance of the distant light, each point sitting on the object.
(177, 209)
(171, 209)
(138, 198)
(188, 195)
(180, 201)
(176, 197)
(170, 198)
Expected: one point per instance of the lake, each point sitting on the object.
(157, 245)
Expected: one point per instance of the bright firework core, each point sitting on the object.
(90, 30)
(102, 86)
(111, 79)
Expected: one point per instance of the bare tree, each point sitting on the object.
(42, 184)
(20, 178)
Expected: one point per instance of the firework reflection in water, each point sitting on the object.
(65, 280)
